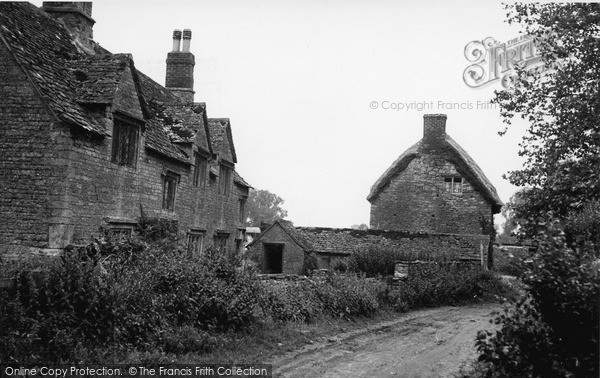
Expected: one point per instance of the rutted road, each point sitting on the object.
(425, 343)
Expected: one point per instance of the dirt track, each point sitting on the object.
(425, 343)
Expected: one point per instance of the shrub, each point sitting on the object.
(554, 331)
(377, 261)
(290, 301)
(348, 295)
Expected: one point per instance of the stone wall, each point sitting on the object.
(416, 200)
(32, 163)
(331, 244)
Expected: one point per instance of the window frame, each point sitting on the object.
(123, 127)
(242, 210)
(220, 241)
(454, 185)
(200, 169)
(225, 178)
(170, 181)
(195, 248)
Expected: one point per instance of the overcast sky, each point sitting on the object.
(299, 80)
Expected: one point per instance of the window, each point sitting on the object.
(170, 181)
(454, 185)
(120, 232)
(125, 142)
(224, 179)
(201, 164)
(195, 242)
(220, 242)
(242, 210)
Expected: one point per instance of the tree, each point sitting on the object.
(264, 206)
(561, 102)
(554, 330)
(361, 226)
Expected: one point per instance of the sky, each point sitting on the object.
(313, 88)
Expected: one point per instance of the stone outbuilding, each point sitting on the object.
(284, 248)
(88, 141)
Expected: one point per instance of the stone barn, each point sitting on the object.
(88, 141)
(284, 248)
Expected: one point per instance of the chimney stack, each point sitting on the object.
(187, 37)
(176, 40)
(180, 67)
(77, 18)
(434, 129)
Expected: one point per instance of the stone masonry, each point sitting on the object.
(61, 99)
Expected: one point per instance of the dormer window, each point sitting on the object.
(200, 168)
(453, 185)
(224, 179)
(125, 143)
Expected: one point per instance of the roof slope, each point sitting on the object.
(345, 241)
(43, 47)
(69, 80)
(452, 152)
(221, 138)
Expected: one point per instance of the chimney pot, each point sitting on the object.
(434, 129)
(187, 36)
(176, 39)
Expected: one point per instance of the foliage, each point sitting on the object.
(147, 300)
(445, 283)
(561, 102)
(510, 260)
(377, 261)
(554, 330)
(264, 206)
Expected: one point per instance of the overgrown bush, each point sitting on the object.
(349, 295)
(554, 330)
(144, 296)
(377, 261)
(445, 283)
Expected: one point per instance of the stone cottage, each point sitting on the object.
(434, 186)
(433, 199)
(88, 141)
(283, 248)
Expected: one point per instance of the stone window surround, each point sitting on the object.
(454, 184)
(195, 241)
(120, 226)
(125, 121)
(170, 181)
(201, 167)
(225, 177)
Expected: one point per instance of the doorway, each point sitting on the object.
(273, 262)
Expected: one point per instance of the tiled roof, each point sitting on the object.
(68, 79)
(345, 241)
(97, 76)
(221, 138)
(239, 180)
(43, 47)
(452, 152)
